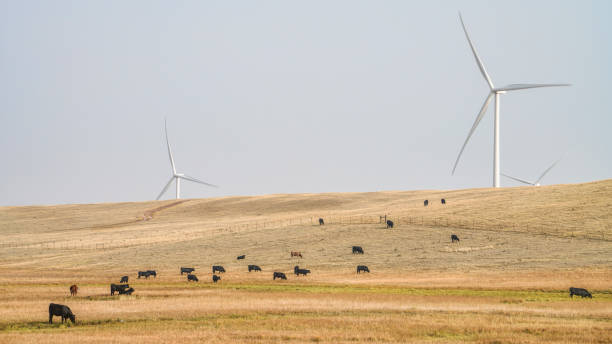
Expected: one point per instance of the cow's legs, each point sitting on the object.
(50, 318)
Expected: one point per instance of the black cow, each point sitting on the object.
(321, 222)
(241, 257)
(580, 292)
(126, 292)
(454, 238)
(218, 268)
(144, 274)
(254, 268)
(62, 311)
(299, 271)
(362, 268)
(280, 275)
(443, 201)
(124, 279)
(426, 203)
(118, 288)
(152, 273)
(389, 224)
(187, 270)
(216, 278)
(357, 249)
(191, 277)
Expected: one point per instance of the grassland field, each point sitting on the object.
(506, 281)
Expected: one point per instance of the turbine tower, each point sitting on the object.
(537, 182)
(177, 176)
(493, 92)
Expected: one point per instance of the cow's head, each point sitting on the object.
(72, 318)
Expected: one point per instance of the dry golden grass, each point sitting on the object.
(505, 282)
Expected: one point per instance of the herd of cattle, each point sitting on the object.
(123, 287)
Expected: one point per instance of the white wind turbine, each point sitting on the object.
(537, 182)
(494, 92)
(177, 176)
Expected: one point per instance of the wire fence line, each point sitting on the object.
(552, 228)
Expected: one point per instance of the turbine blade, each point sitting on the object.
(192, 179)
(547, 170)
(478, 61)
(165, 188)
(483, 110)
(169, 150)
(515, 87)
(518, 180)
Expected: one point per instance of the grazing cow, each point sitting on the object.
(218, 268)
(443, 201)
(191, 277)
(124, 279)
(454, 238)
(362, 268)
(144, 274)
(357, 249)
(299, 271)
(216, 278)
(62, 311)
(580, 292)
(241, 257)
(280, 275)
(321, 222)
(187, 270)
(254, 268)
(120, 288)
(73, 290)
(296, 254)
(152, 273)
(426, 203)
(389, 224)
(126, 291)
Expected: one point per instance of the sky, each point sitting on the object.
(266, 97)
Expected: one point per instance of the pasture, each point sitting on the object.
(506, 281)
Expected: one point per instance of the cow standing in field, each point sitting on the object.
(321, 222)
(280, 275)
(152, 273)
(187, 270)
(362, 268)
(357, 250)
(120, 288)
(191, 277)
(254, 268)
(73, 290)
(217, 268)
(389, 224)
(126, 291)
(124, 279)
(241, 257)
(296, 254)
(443, 201)
(144, 274)
(299, 271)
(579, 292)
(215, 278)
(62, 311)
(454, 238)
(426, 203)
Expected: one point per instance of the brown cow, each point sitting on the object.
(73, 290)
(296, 254)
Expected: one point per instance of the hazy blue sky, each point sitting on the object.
(291, 97)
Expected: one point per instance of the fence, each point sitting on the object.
(555, 229)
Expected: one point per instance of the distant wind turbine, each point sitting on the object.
(537, 182)
(177, 176)
(494, 92)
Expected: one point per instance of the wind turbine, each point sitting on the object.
(493, 92)
(177, 176)
(537, 182)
